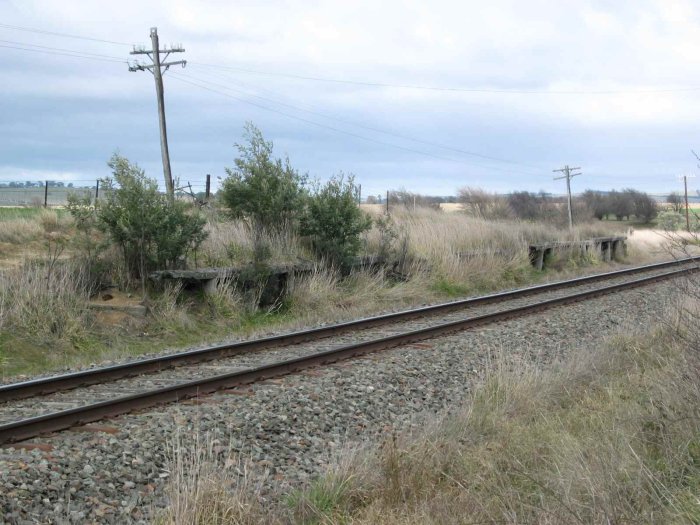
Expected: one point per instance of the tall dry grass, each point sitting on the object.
(208, 486)
(22, 230)
(232, 242)
(45, 302)
(470, 254)
(19, 231)
(441, 254)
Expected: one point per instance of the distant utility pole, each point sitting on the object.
(157, 68)
(685, 184)
(566, 170)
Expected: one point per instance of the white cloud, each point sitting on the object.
(501, 44)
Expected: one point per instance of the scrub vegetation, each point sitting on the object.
(57, 263)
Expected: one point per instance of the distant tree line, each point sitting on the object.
(625, 204)
(403, 197)
(32, 184)
(621, 204)
(524, 205)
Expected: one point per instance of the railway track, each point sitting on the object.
(31, 408)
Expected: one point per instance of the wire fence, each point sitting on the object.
(55, 193)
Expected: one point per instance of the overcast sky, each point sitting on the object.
(613, 87)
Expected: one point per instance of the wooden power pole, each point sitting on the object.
(157, 68)
(687, 215)
(566, 170)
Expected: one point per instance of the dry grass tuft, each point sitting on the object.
(20, 231)
(200, 491)
(231, 243)
(167, 313)
(23, 230)
(465, 254)
(45, 302)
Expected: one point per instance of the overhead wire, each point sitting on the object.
(63, 35)
(94, 56)
(379, 130)
(374, 83)
(82, 54)
(203, 85)
(61, 54)
(8, 44)
(451, 89)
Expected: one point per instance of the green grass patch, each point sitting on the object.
(450, 288)
(12, 214)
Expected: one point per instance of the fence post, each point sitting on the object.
(46, 193)
(387, 202)
(208, 190)
(97, 191)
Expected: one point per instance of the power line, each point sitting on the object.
(202, 84)
(378, 130)
(451, 89)
(61, 49)
(63, 35)
(376, 84)
(183, 78)
(68, 54)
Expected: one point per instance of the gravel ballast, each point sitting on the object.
(288, 427)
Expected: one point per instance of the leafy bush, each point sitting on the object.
(530, 206)
(150, 231)
(267, 192)
(597, 202)
(621, 204)
(669, 220)
(387, 235)
(645, 208)
(676, 201)
(333, 220)
(484, 205)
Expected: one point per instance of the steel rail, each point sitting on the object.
(51, 384)
(25, 429)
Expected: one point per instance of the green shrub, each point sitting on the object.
(333, 221)
(150, 231)
(645, 207)
(266, 192)
(669, 220)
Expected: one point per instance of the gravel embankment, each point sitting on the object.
(289, 426)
